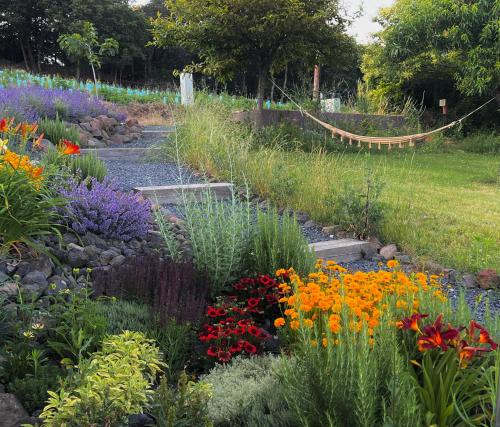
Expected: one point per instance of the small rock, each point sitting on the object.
(403, 259)
(69, 238)
(132, 122)
(469, 281)
(107, 256)
(301, 216)
(8, 291)
(95, 143)
(11, 410)
(44, 264)
(388, 252)
(92, 251)
(140, 420)
(117, 260)
(23, 268)
(35, 278)
(450, 275)
(309, 224)
(375, 242)
(76, 257)
(488, 279)
(330, 229)
(74, 246)
(3, 277)
(134, 244)
(56, 284)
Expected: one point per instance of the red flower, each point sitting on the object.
(243, 322)
(69, 148)
(221, 312)
(224, 356)
(212, 312)
(3, 125)
(239, 330)
(236, 348)
(249, 348)
(271, 298)
(266, 280)
(211, 351)
(411, 322)
(484, 336)
(253, 302)
(254, 330)
(239, 287)
(434, 337)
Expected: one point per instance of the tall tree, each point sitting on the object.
(231, 35)
(455, 41)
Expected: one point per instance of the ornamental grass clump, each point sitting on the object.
(102, 209)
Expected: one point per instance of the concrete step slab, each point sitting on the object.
(343, 250)
(121, 153)
(173, 194)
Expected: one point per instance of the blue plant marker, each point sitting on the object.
(268, 104)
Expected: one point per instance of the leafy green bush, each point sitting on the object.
(81, 167)
(106, 389)
(258, 399)
(185, 406)
(173, 339)
(31, 389)
(27, 208)
(360, 210)
(57, 130)
(219, 232)
(279, 243)
(484, 143)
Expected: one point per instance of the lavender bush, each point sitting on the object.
(33, 103)
(102, 209)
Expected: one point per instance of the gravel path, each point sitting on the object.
(149, 173)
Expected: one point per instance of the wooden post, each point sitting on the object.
(316, 84)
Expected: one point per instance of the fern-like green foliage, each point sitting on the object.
(81, 167)
(114, 383)
(279, 243)
(57, 130)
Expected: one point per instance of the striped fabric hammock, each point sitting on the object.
(389, 141)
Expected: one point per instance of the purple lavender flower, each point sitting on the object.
(33, 103)
(102, 209)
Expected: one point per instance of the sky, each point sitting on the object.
(363, 26)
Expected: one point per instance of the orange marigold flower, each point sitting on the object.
(392, 263)
(279, 322)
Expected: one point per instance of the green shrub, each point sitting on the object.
(484, 143)
(185, 406)
(106, 389)
(219, 232)
(31, 390)
(27, 208)
(173, 339)
(57, 130)
(359, 210)
(81, 167)
(247, 392)
(279, 243)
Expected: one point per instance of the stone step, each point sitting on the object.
(343, 250)
(173, 194)
(129, 154)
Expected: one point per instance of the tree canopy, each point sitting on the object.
(428, 44)
(229, 35)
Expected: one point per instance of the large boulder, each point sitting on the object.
(488, 279)
(388, 252)
(11, 411)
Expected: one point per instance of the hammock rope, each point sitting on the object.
(379, 140)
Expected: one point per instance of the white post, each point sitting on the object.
(187, 92)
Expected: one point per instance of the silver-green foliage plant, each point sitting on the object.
(184, 406)
(219, 232)
(279, 243)
(57, 130)
(114, 383)
(81, 167)
(247, 392)
(165, 229)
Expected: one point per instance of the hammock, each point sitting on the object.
(381, 140)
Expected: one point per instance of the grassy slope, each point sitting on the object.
(445, 207)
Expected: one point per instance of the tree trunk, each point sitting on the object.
(261, 91)
(25, 58)
(272, 89)
(284, 83)
(78, 70)
(31, 58)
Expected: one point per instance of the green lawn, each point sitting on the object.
(442, 206)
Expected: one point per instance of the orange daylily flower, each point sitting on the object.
(433, 336)
(38, 142)
(68, 148)
(411, 322)
(3, 125)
